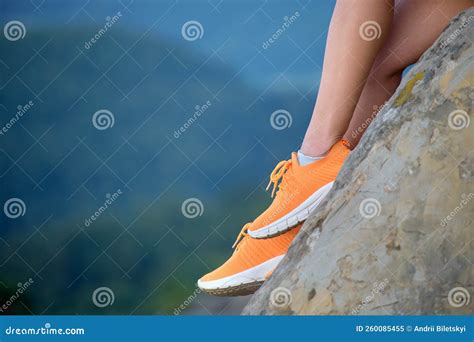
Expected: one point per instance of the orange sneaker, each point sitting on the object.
(249, 265)
(300, 190)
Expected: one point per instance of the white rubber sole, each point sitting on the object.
(252, 275)
(297, 215)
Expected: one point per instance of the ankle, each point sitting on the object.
(318, 148)
(304, 159)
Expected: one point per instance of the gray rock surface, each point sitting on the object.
(395, 235)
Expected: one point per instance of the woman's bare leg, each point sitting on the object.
(357, 32)
(416, 25)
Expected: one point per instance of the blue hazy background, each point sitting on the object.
(151, 79)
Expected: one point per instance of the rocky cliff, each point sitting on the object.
(395, 235)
